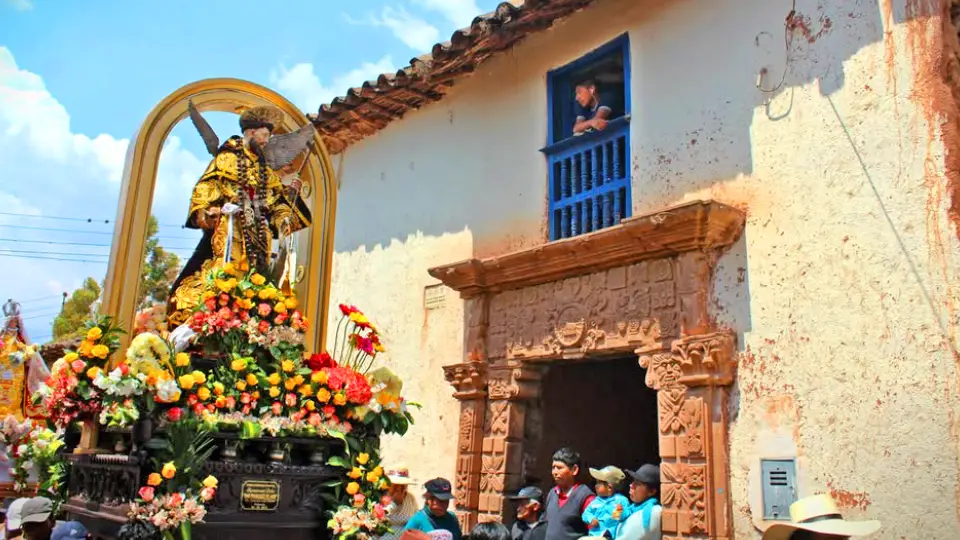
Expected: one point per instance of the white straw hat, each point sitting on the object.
(819, 513)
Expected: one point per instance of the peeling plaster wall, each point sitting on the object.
(843, 290)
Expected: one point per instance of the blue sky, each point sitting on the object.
(77, 78)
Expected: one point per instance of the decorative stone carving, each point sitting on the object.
(698, 361)
(684, 498)
(468, 379)
(513, 383)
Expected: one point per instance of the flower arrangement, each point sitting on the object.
(33, 447)
(151, 319)
(69, 393)
(362, 511)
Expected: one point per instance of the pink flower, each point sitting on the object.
(146, 493)
(207, 493)
(78, 365)
(291, 400)
(174, 500)
(264, 309)
(314, 420)
(359, 499)
(277, 407)
(379, 511)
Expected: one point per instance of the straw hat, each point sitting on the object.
(399, 475)
(819, 513)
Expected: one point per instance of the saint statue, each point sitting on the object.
(22, 370)
(240, 202)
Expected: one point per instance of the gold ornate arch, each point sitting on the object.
(140, 177)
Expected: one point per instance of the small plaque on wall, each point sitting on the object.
(260, 496)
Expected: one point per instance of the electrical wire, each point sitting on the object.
(86, 244)
(38, 257)
(104, 233)
(8, 251)
(58, 296)
(66, 218)
(788, 26)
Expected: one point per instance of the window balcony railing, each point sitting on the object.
(589, 186)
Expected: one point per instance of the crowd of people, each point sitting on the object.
(33, 519)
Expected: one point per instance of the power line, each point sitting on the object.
(4, 250)
(57, 296)
(86, 244)
(105, 233)
(85, 220)
(38, 257)
(41, 316)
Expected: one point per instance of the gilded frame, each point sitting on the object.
(139, 180)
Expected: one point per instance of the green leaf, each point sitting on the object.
(339, 461)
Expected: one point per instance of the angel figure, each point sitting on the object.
(240, 202)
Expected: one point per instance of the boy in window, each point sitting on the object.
(567, 501)
(591, 114)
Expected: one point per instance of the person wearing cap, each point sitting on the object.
(12, 524)
(568, 499)
(818, 518)
(645, 509)
(434, 514)
(604, 514)
(37, 519)
(529, 524)
(402, 505)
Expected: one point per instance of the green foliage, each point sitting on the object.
(73, 317)
(188, 445)
(159, 270)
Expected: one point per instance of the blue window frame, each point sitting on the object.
(589, 174)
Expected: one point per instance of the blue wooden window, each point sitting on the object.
(589, 175)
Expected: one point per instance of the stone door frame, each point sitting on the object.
(688, 360)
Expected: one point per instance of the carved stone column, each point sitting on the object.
(692, 381)
(470, 383)
(510, 388)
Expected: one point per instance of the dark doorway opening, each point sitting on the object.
(602, 409)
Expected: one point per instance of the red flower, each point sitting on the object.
(210, 304)
(277, 407)
(192, 399)
(175, 414)
(337, 377)
(231, 402)
(328, 410)
(245, 398)
(316, 362)
(198, 408)
(124, 369)
(358, 389)
(281, 318)
(264, 327)
(347, 310)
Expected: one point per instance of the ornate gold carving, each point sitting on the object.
(705, 360)
(468, 379)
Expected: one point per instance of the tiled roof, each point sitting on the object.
(369, 108)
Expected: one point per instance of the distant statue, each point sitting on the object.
(241, 204)
(22, 370)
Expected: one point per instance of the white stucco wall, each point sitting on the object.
(843, 290)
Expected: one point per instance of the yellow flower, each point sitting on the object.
(249, 293)
(208, 295)
(257, 279)
(169, 470)
(339, 399)
(229, 268)
(291, 303)
(186, 381)
(290, 384)
(359, 318)
(378, 470)
(319, 377)
(182, 359)
(210, 482)
(93, 372)
(298, 380)
(199, 377)
(218, 388)
(251, 379)
(256, 394)
(310, 405)
(203, 393)
(239, 364)
(70, 357)
(372, 477)
(355, 473)
(353, 488)
(363, 458)
(94, 333)
(274, 391)
(306, 390)
(220, 402)
(100, 351)
(280, 307)
(323, 395)
(274, 379)
(241, 385)
(223, 285)
(287, 366)
(154, 480)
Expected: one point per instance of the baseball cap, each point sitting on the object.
(532, 493)
(14, 512)
(36, 510)
(69, 530)
(609, 474)
(439, 488)
(648, 474)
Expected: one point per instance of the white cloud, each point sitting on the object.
(21, 5)
(459, 12)
(413, 31)
(53, 171)
(302, 85)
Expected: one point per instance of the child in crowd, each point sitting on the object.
(605, 513)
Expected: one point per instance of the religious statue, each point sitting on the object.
(242, 205)
(22, 370)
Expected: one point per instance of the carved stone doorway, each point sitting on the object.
(640, 288)
(602, 409)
